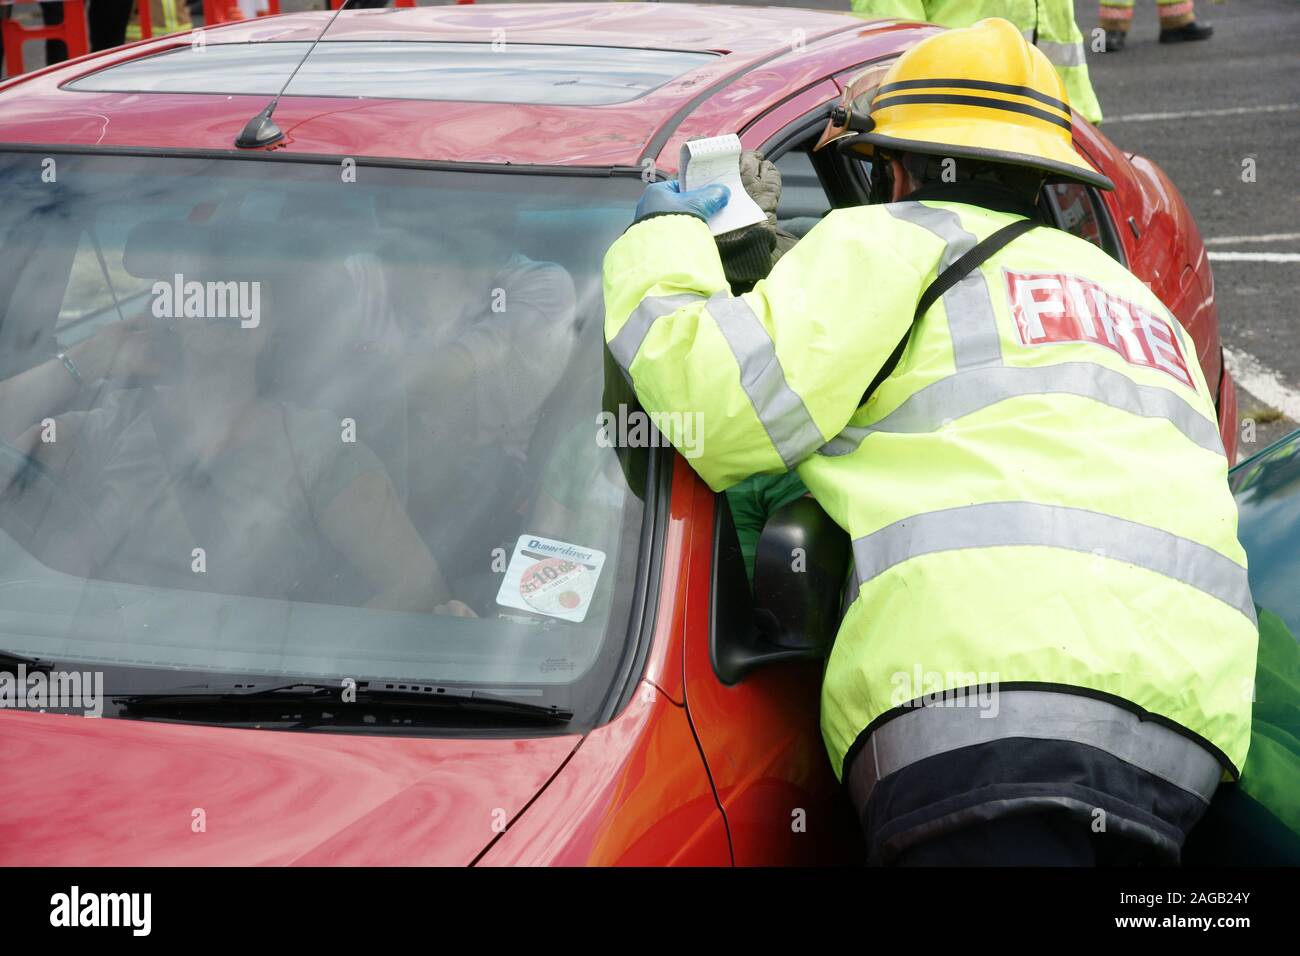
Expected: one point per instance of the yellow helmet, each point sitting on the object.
(979, 92)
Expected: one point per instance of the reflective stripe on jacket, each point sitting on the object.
(1037, 493)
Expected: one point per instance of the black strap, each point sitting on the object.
(976, 256)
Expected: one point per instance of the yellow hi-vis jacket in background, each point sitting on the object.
(1048, 24)
(1036, 494)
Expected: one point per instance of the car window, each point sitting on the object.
(317, 413)
(95, 278)
(551, 74)
(803, 199)
(1078, 210)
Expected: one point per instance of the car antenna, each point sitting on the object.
(261, 129)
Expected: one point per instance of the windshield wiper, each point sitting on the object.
(10, 661)
(369, 695)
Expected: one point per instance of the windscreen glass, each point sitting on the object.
(311, 419)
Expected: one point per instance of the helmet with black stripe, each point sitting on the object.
(981, 92)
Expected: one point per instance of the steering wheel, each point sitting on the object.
(48, 520)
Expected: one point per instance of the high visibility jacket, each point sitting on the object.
(167, 17)
(1036, 494)
(1048, 24)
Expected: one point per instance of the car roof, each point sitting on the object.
(734, 62)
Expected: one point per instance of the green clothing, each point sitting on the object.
(1257, 823)
(1272, 775)
(753, 501)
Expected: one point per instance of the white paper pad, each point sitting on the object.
(716, 161)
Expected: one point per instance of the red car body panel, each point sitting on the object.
(690, 771)
(810, 64)
(779, 797)
(636, 793)
(85, 792)
(613, 135)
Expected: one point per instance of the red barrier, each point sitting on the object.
(72, 31)
(226, 11)
(223, 11)
(335, 4)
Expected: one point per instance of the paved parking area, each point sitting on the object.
(1222, 117)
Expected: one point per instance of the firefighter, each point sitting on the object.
(1050, 652)
(1177, 22)
(1048, 24)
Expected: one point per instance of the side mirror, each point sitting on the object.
(799, 568)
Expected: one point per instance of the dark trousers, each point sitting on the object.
(106, 19)
(1047, 838)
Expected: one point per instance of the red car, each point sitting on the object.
(238, 529)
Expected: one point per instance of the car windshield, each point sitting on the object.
(312, 419)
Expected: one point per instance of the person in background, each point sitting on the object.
(1177, 22)
(107, 20)
(56, 51)
(1048, 24)
(166, 17)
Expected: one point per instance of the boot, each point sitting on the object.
(1187, 32)
(1114, 41)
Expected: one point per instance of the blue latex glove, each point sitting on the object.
(668, 197)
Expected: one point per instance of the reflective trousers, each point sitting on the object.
(1118, 14)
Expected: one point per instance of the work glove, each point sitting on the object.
(762, 180)
(661, 199)
(748, 254)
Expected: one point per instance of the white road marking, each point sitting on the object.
(1263, 383)
(1195, 114)
(1268, 237)
(1254, 256)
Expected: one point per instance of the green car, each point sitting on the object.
(1257, 822)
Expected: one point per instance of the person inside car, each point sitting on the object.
(487, 334)
(205, 483)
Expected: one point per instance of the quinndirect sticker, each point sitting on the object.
(551, 577)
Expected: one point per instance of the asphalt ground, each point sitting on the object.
(1222, 117)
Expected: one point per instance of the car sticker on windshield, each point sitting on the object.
(551, 577)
